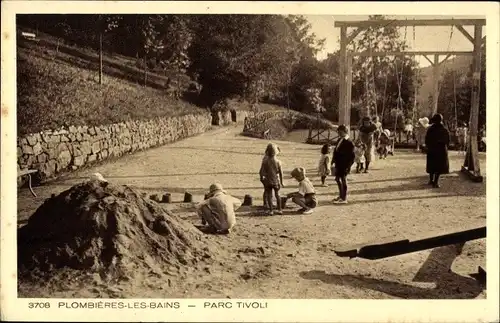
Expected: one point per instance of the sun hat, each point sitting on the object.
(437, 118)
(97, 177)
(387, 132)
(215, 188)
(423, 121)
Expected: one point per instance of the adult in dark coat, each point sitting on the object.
(343, 158)
(367, 132)
(437, 140)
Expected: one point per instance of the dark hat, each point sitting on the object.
(342, 128)
(437, 118)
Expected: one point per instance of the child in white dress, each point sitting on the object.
(324, 166)
(359, 153)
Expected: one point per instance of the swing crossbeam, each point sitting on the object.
(471, 163)
(411, 53)
(410, 23)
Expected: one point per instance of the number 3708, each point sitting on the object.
(39, 305)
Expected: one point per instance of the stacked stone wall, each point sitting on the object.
(67, 149)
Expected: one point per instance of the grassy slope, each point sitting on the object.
(54, 92)
(58, 86)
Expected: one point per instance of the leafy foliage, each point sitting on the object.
(455, 94)
(383, 83)
(211, 59)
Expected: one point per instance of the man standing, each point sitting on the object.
(218, 210)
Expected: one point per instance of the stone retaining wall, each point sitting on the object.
(258, 123)
(55, 152)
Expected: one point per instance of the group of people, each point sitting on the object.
(218, 209)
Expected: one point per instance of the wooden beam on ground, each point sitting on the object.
(411, 53)
(406, 22)
(404, 246)
(471, 175)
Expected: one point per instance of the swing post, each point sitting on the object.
(471, 163)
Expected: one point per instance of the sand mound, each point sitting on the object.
(96, 227)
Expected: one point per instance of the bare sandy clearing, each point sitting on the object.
(291, 256)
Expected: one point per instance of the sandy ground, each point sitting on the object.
(291, 256)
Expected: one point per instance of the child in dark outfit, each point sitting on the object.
(343, 158)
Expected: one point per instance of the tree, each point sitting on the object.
(239, 55)
(104, 24)
(456, 88)
(382, 81)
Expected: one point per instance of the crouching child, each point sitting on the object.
(305, 197)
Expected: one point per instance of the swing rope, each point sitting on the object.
(374, 90)
(455, 99)
(399, 80)
(417, 74)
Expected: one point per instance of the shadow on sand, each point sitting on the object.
(436, 269)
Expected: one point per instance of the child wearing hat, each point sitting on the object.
(343, 158)
(218, 210)
(305, 197)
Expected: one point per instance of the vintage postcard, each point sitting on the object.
(249, 161)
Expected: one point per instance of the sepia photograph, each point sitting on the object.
(251, 156)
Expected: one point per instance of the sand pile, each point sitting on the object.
(96, 227)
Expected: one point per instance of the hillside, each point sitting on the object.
(57, 85)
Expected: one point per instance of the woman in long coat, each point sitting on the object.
(437, 140)
(366, 135)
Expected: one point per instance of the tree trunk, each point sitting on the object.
(145, 71)
(100, 57)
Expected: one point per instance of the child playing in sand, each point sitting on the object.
(343, 158)
(324, 167)
(271, 176)
(359, 153)
(305, 197)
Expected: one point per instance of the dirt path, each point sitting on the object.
(291, 256)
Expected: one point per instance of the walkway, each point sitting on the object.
(391, 200)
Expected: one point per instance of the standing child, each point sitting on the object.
(306, 196)
(324, 167)
(343, 158)
(359, 155)
(271, 176)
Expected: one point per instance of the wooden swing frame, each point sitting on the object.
(471, 163)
